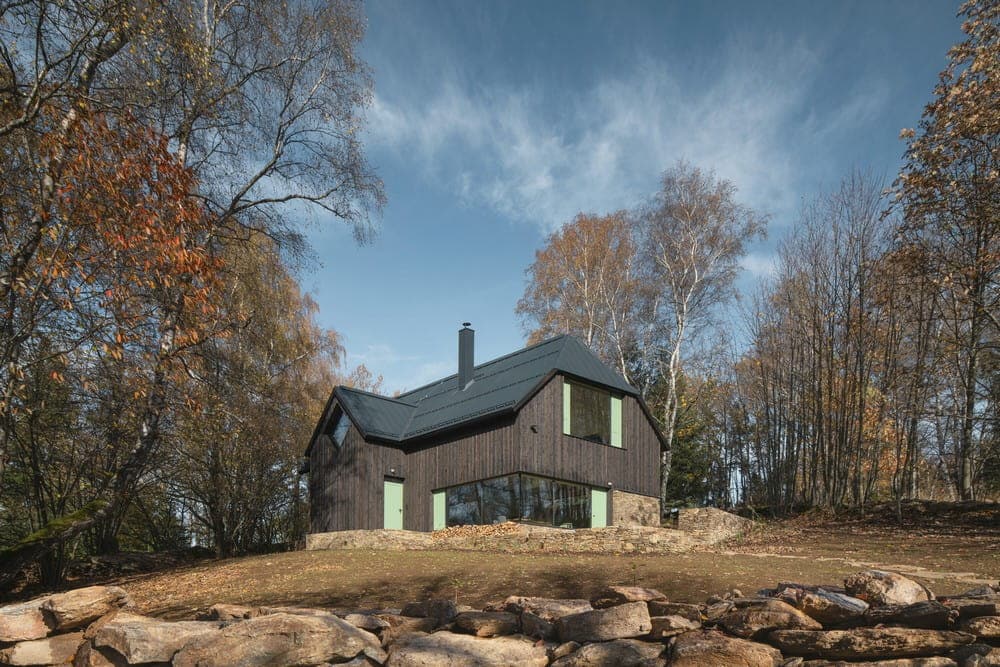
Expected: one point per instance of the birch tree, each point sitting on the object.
(695, 233)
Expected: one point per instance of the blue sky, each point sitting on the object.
(495, 122)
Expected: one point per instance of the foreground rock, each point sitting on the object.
(663, 608)
(617, 653)
(827, 607)
(879, 587)
(616, 595)
(442, 611)
(900, 662)
(868, 643)
(671, 626)
(56, 650)
(708, 647)
(447, 649)
(486, 623)
(973, 607)
(140, 639)
(538, 615)
(620, 622)
(79, 607)
(929, 615)
(984, 627)
(23, 622)
(752, 621)
(280, 639)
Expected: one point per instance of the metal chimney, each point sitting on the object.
(466, 354)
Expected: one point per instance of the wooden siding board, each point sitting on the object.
(346, 486)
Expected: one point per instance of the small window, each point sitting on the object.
(592, 413)
(340, 428)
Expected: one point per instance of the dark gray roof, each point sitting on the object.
(498, 386)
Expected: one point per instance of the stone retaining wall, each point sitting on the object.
(523, 539)
(877, 618)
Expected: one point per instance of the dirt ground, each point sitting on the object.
(949, 552)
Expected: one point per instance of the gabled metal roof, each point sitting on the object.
(498, 386)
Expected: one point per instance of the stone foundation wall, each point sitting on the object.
(631, 509)
(701, 526)
(513, 538)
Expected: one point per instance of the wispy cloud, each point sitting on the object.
(534, 158)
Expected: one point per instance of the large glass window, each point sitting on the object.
(536, 500)
(570, 505)
(592, 414)
(524, 498)
(463, 505)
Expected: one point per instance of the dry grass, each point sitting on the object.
(947, 559)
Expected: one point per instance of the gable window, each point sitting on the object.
(592, 413)
(341, 425)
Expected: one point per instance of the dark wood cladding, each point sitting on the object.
(346, 486)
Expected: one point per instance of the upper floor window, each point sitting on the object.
(592, 413)
(341, 425)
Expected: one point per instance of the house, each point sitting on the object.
(546, 435)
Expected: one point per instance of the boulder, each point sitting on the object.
(486, 623)
(280, 639)
(709, 647)
(369, 622)
(79, 607)
(669, 626)
(142, 639)
(404, 625)
(228, 612)
(619, 622)
(972, 607)
(442, 611)
(828, 607)
(880, 587)
(984, 627)
(664, 608)
(751, 621)
(615, 595)
(929, 614)
(717, 610)
(868, 643)
(23, 622)
(936, 661)
(448, 649)
(538, 615)
(548, 608)
(563, 650)
(536, 626)
(617, 653)
(56, 650)
(89, 655)
(990, 659)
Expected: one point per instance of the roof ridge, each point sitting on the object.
(374, 395)
(491, 361)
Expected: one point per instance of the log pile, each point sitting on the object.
(472, 531)
(876, 618)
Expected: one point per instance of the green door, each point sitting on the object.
(440, 511)
(598, 508)
(393, 513)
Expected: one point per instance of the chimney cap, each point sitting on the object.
(466, 324)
